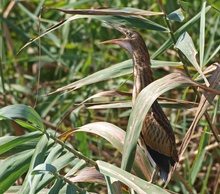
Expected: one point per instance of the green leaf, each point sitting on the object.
(55, 152)
(180, 31)
(44, 109)
(26, 125)
(197, 163)
(211, 42)
(61, 162)
(133, 21)
(117, 70)
(116, 136)
(37, 158)
(35, 20)
(71, 189)
(125, 11)
(113, 185)
(157, 64)
(176, 16)
(44, 169)
(13, 112)
(77, 165)
(139, 185)
(207, 176)
(13, 167)
(186, 46)
(57, 186)
(184, 5)
(16, 141)
(213, 54)
(202, 35)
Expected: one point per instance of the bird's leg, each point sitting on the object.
(154, 175)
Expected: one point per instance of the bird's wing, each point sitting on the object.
(157, 138)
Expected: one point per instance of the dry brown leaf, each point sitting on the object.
(214, 83)
(129, 12)
(88, 174)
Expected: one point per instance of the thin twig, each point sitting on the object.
(72, 150)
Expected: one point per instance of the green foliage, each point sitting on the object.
(50, 142)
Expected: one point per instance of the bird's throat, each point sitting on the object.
(143, 75)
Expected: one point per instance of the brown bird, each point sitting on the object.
(157, 135)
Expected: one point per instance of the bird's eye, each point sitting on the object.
(129, 34)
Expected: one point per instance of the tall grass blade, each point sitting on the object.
(143, 103)
(13, 167)
(197, 164)
(116, 137)
(176, 16)
(133, 21)
(125, 11)
(180, 31)
(207, 176)
(186, 46)
(214, 53)
(23, 112)
(117, 70)
(37, 158)
(16, 141)
(204, 103)
(202, 35)
(212, 42)
(139, 185)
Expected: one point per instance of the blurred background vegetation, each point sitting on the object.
(73, 52)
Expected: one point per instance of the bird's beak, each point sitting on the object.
(122, 42)
(115, 41)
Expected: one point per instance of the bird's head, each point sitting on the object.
(130, 42)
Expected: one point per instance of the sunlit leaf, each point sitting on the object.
(197, 163)
(89, 175)
(209, 54)
(13, 167)
(176, 16)
(139, 185)
(112, 11)
(22, 111)
(180, 31)
(16, 141)
(142, 104)
(203, 105)
(134, 21)
(43, 169)
(71, 189)
(113, 185)
(29, 185)
(202, 35)
(214, 53)
(110, 105)
(116, 136)
(185, 44)
(207, 175)
(117, 70)
(184, 5)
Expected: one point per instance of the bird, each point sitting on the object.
(157, 136)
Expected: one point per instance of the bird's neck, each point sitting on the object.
(142, 71)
